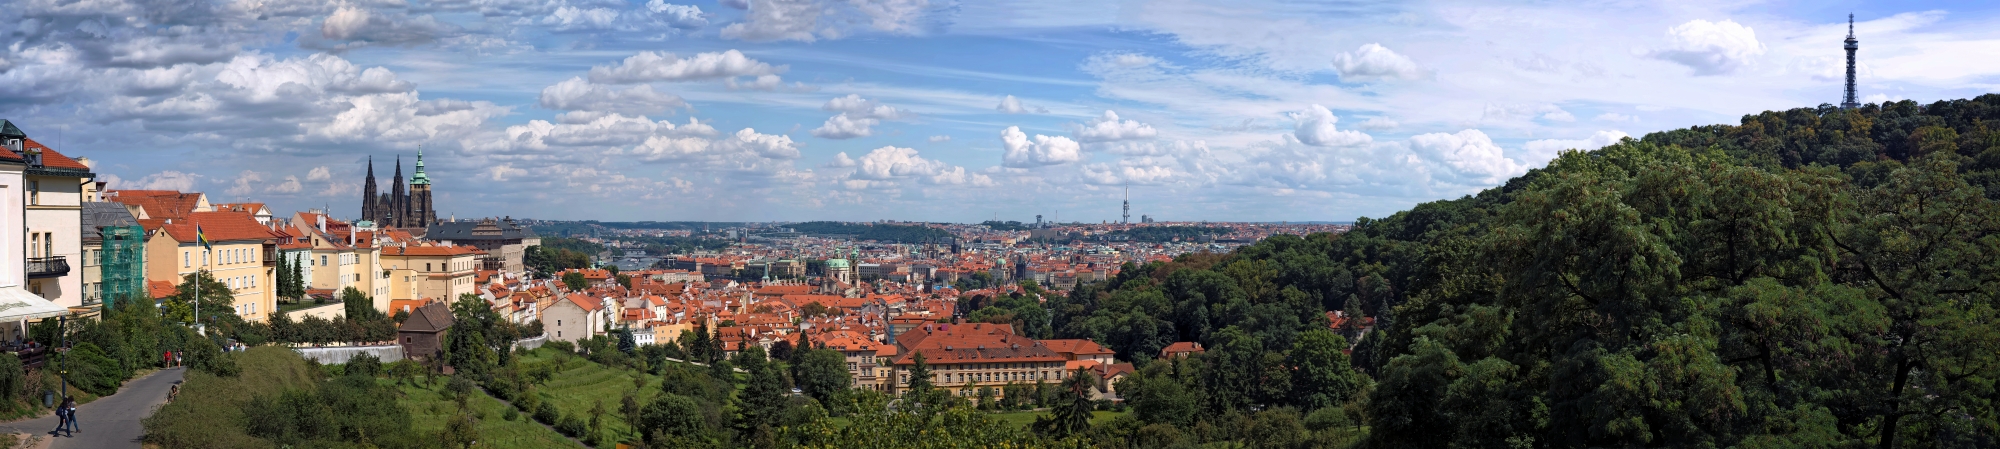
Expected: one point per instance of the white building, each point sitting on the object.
(53, 197)
(17, 304)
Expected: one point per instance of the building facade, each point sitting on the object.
(241, 254)
(54, 190)
(504, 241)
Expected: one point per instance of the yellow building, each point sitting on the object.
(436, 272)
(241, 254)
(343, 255)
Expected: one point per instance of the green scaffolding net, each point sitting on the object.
(123, 264)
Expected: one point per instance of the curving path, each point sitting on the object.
(110, 421)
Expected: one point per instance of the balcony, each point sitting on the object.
(47, 267)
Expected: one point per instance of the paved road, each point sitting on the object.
(111, 421)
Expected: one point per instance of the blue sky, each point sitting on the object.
(926, 109)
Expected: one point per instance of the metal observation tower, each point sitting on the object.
(1849, 102)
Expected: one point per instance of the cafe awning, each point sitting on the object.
(16, 304)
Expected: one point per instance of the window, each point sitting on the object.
(184, 259)
(322, 260)
(34, 193)
(558, 322)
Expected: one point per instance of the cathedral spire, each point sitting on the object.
(1849, 101)
(419, 177)
(370, 209)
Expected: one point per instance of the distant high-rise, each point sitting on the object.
(1849, 102)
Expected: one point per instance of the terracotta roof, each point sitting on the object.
(588, 304)
(1076, 347)
(1184, 347)
(428, 250)
(51, 158)
(159, 204)
(218, 226)
(158, 289)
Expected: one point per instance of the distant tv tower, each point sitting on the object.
(1849, 102)
(1127, 218)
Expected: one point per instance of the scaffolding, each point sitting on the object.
(122, 262)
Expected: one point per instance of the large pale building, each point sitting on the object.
(436, 272)
(964, 358)
(17, 305)
(53, 196)
(342, 255)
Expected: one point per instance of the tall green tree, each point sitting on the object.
(821, 373)
(1321, 374)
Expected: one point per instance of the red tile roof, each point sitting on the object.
(158, 204)
(51, 158)
(218, 227)
(161, 289)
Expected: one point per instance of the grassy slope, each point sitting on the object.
(209, 412)
(429, 410)
(581, 383)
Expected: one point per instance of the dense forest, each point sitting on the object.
(875, 231)
(1810, 278)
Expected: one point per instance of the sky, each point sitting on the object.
(926, 110)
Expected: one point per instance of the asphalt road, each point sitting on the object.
(111, 421)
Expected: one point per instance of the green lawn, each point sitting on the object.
(429, 410)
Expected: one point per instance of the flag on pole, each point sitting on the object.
(201, 238)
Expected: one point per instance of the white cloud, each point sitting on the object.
(1102, 174)
(854, 105)
(801, 20)
(649, 66)
(1470, 154)
(883, 166)
(1314, 126)
(1013, 105)
(1616, 118)
(1108, 128)
(766, 145)
(841, 126)
(320, 173)
(939, 139)
(360, 26)
(1711, 48)
(245, 184)
(1540, 152)
(291, 185)
(840, 161)
(1378, 124)
(1558, 115)
(575, 94)
(504, 172)
(776, 20)
(1042, 151)
(1374, 62)
(685, 17)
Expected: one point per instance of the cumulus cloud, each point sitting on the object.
(575, 94)
(1104, 174)
(882, 166)
(801, 20)
(650, 66)
(860, 107)
(1013, 105)
(360, 26)
(843, 126)
(686, 17)
(1314, 126)
(1374, 62)
(320, 173)
(1470, 154)
(1042, 151)
(1526, 111)
(291, 185)
(164, 180)
(769, 146)
(840, 161)
(571, 18)
(1108, 128)
(1711, 48)
(761, 82)
(601, 129)
(1539, 152)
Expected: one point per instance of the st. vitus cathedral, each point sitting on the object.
(399, 208)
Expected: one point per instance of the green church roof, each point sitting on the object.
(7, 129)
(419, 178)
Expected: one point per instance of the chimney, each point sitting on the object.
(322, 222)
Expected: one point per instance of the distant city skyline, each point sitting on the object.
(928, 110)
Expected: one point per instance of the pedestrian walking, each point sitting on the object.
(177, 359)
(71, 405)
(63, 417)
(167, 359)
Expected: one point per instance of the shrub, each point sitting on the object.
(91, 370)
(560, 346)
(364, 364)
(573, 426)
(511, 414)
(547, 414)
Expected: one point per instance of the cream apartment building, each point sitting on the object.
(240, 254)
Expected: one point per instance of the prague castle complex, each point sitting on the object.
(400, 207)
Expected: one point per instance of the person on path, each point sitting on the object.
(62, 417)
(70, 404)
(167, 359)
(177, 359)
